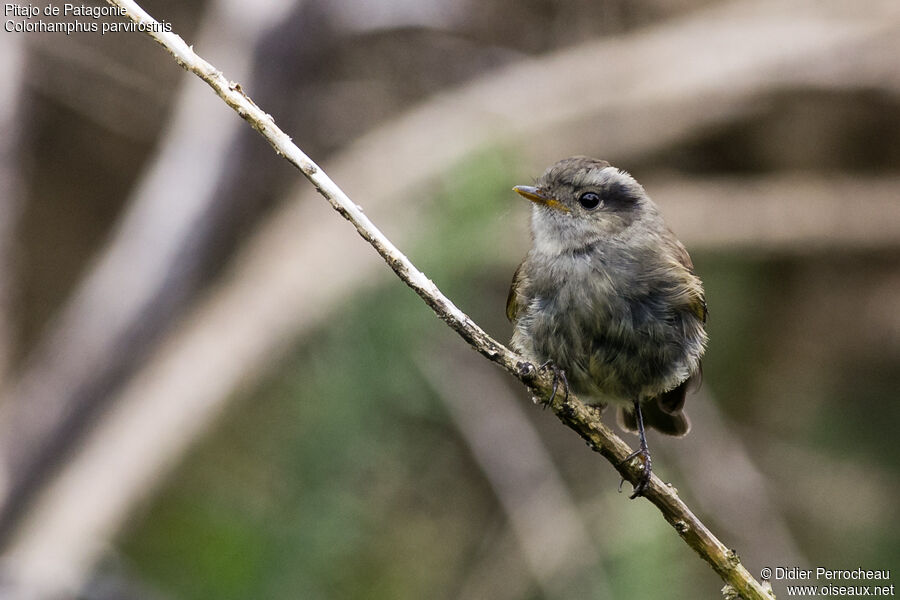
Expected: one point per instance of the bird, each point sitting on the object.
(607, 297)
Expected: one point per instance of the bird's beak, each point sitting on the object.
(538, 196)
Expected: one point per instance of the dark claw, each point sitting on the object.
(526, 369)
(558, 375)
(644, 479)
(644, 452)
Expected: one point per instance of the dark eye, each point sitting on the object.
(589, 200)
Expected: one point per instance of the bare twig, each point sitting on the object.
(583, 419)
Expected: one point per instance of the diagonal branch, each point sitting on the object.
(571, 411)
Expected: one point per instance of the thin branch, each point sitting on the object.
(575, 414)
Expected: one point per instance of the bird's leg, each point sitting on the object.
(558, 375)
(643, 451)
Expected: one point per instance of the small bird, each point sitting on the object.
(607, 297)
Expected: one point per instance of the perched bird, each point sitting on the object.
(608, 296)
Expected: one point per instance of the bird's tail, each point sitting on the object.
(664, 413)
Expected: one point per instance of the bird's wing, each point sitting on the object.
(694, 296)
(512, 300)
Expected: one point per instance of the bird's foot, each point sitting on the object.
(644, 479)
(558, 375)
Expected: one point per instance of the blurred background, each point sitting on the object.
(210, 387)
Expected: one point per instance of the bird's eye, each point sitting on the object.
(589, 200)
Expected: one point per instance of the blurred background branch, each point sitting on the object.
(547, 523)
(766, 132)
(11, 115)
(146, 273)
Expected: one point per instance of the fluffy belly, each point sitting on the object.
(617, 351)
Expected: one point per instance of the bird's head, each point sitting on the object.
(580, 200)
